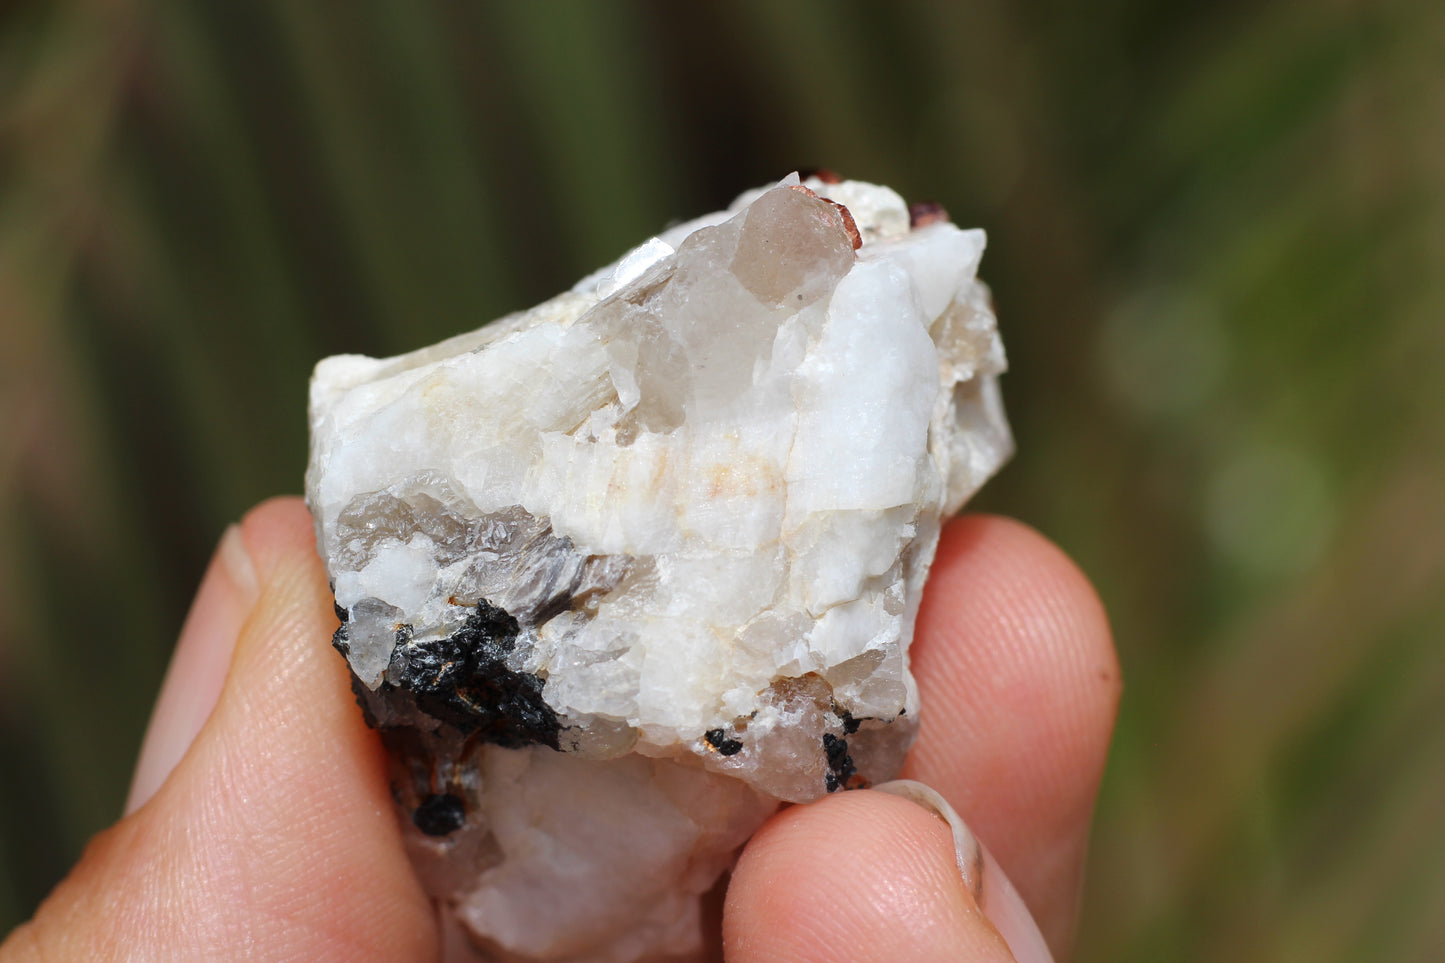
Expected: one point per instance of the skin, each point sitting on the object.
(260, 828)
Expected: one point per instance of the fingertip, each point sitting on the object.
(1013, 645)
(1020, 684)
(1051, 637)
(1017, 577)
(862, 875)
(275, 818)
(284, 667)
(271, 535)
(277, 528)
(198, 668)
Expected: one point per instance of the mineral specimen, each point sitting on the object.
(620, 573)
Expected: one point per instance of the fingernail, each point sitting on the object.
(982, 876)
(198, 668)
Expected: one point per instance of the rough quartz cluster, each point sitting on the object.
(619, 574)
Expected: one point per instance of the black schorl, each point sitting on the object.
(718, 739)
(463, 681)
(440, 814)
(341, 640)
(840, 764)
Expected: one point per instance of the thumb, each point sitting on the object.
(271, 835)
(872, 876)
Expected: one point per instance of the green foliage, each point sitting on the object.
(1215, 239)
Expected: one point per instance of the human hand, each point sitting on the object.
(260, 824)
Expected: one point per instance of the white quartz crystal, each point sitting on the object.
(620, 573)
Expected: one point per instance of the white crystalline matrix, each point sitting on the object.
(620, 573)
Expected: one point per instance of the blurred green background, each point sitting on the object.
(1217, 243)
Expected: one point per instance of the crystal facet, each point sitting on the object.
(620, 573)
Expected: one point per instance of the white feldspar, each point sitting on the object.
(621, 572)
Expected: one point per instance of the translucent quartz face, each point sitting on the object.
(620, 573)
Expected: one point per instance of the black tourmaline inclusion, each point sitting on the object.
(440, 814)
(463, 681)
(718, 739)
(840, 763)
